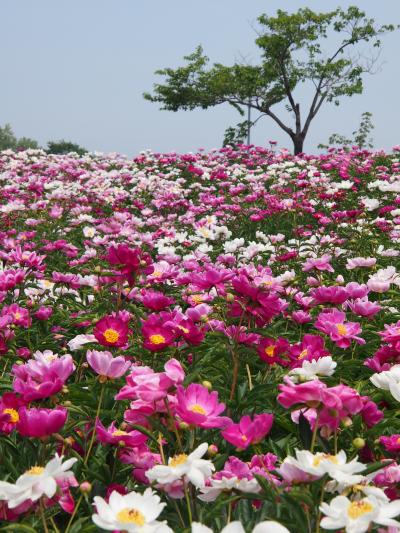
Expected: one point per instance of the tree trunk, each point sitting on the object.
(298, 142)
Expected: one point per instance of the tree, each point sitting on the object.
(291, 54)
(360, 136)
(8, 140)
(26, 143)
(64, 147)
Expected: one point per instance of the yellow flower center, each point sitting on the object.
(35, 471)
(131, 516)
(196, 408)
(111, 335)
(157, 339)
(197, 298)
(17, 315)
(341, 329)
(119, 433)
(324, 456)
(398, 441)
(178, 459)
(270, 350)
(303, 354)
(157, 274)
(185, 330)
(244, 438)
(14, 416)
(359, 508)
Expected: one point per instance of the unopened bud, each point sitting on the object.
(85, 487)
(65, 390)
(347, 422)
(207, 384)
(97, 268)
(212, 450)
(230, 297)
(183, 425)
(103, 379)
(358, 443)
(121, 443)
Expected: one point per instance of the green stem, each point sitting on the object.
(188, 505)
(94, 428)
(74, 513)
(45, 528)
(314, 435)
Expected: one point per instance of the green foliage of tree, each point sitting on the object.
(238, 134)
(64, 147)
(25, 143)
(292, 53)
(360, 137)
(8, 140)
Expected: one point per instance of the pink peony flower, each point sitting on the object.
(248, 431)
(112, 435)
(42, 376)
(319, 263)
(199, 407)
(333, 323)
(106, 365)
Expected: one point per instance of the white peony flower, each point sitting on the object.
(236, 527)
(80, 340)
(320, 464)
(357, 515)
(309, 370)
(190, 467)
(36, 482)
(382, 380)
(209, 493)
(132, 512)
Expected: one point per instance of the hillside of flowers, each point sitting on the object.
(206, 342)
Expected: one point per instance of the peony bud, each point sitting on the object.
(85, 487)
(358, 443)
(207, 384)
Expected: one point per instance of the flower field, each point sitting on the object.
(200, 343)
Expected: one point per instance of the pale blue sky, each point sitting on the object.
(76, 69)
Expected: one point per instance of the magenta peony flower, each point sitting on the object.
(106, 365)
(333, 294)
(44, 313)
(111, 331)
(312, 394)
(248, 431)
(112, 435)
(391, 444)
(311, 347)
(19, 315)
(42, 376)
(199, 407)
(155, 300)
(10, 405)
(333, 323)
(38, 422)
(130, 260)
(273, 351)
